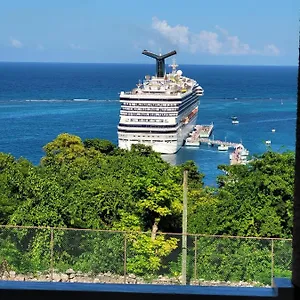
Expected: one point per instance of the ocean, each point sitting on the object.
(38, 101)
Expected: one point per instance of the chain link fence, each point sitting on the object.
(77, 255)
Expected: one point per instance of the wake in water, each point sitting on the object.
(252, 98)
(274, 120)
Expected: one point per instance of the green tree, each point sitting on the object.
(256, 199)
(104, 146)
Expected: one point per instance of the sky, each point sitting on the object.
(210, 32)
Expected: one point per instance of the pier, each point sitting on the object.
(200, 135)
(218, 143)
(204, 131)
(199, 132)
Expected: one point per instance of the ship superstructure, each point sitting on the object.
(161, 111)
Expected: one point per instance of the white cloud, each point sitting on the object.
(218, 42)
(233, 45)
(15, 43)
(271, 50)
(205, 41)
(177, 35)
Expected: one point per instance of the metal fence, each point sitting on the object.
(77, 255)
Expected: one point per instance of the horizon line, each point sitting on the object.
(139, 63)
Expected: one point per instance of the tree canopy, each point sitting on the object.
(92, 184)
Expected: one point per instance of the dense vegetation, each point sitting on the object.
(94, 185)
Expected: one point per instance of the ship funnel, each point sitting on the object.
(160, 61)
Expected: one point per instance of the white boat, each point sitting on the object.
(273, 130)
(223, 147)
(161, 111)
(234, 120)
(239, 156)
(268, 142)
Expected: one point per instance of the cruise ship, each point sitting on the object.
(161, 111)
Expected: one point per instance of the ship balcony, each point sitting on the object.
(150, 95)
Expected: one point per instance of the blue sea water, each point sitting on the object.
(37, 103)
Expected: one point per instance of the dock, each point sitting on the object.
(200, 131)
(218, 143)
(200, 135)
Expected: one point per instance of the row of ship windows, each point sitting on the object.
(183, 104)
(150, 104)
(149, 115)
(158, 104)
(149, 109)
(148, 120)
(181, 109)
(144, 136)
(151, 131)
(145, 125)
(188, 103)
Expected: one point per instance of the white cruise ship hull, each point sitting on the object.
(169, 147)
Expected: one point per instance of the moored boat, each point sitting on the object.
(161, 111)
(234, 120)
(223, 147)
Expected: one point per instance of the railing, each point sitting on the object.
(77, 255)
(219, 142)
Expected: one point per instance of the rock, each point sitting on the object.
(12, 274)
(19, 277)
(34, 279)
(70, 271)
(64, 277)
(56, 277)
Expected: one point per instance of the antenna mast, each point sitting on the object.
(174, 66)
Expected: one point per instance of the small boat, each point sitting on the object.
(223, 147)
(239, 156)
(273, 130)
(234, 120)
(268, 142)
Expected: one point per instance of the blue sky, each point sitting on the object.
(234, 32)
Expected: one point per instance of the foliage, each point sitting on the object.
(94, 185)
(89, 251)
(25, 250)
(104, 146)
(91, 184)
(145, 255)
(228, 259)
(252, 200)
(202, 211)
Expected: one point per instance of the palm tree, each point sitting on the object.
(296, 229)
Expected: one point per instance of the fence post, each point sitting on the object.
(125, 257)
(272, 262)
(195, 259)
(184, 228)
(51, 252)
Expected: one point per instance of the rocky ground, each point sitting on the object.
(71, 276)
